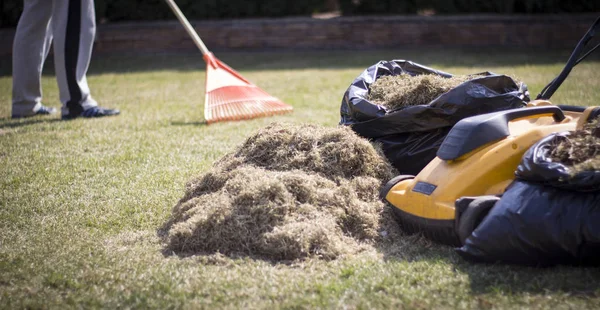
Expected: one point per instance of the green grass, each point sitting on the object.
(81, 201)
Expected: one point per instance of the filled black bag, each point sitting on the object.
(411, 136)
(537, 166)
(546, 217)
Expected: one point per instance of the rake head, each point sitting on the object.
(229, 96)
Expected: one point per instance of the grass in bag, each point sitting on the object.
(581, 149)
(398, 91)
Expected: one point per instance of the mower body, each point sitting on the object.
(478, 158)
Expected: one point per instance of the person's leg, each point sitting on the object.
(74, 28)
(30, 48)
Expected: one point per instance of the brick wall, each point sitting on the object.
(365, 32)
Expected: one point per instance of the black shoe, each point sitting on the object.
(92, 112)
(44, 110)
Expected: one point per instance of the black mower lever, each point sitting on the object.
(549, 90)
(473, 132)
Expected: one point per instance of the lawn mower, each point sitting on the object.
(476, 162)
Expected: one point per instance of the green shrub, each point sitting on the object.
(119, 10)
(361, 7)
(115, 10)
(10, 10)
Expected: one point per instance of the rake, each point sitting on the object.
(229, 96)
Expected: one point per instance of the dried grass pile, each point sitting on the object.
(581, 150)
(397, 91)
(289, 192)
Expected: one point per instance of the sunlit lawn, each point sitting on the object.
(81, 201)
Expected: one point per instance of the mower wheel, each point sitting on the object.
(474, 214)
(391, 183)
(442, 231)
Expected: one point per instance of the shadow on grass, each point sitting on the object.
(494, 278)
(322, 59)
(178, 123)
(573, 280)
(7, 122)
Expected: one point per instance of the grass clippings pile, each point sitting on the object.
(403, 90)
(581, 150)
(289, 192)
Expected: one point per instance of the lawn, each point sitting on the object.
(81, 201)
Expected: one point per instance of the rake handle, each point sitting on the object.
(188, 27)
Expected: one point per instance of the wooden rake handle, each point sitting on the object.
(188, 27)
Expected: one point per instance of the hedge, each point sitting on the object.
(125, 10)
(120, 10)
(117, 10)
(361, 7)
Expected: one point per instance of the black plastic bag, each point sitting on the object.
(538, 225)
(544, 218)
(411, 136)
(537, 166)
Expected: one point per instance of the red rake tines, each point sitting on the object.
(230, 103)
(229, 96)
(241, 102)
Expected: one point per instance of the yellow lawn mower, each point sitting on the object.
(477, 160)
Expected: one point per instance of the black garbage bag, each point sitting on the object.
(411, 136)
(546, 217)
(537, 166)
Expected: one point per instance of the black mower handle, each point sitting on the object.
(475, 131)
(549, 90)
(557, 113)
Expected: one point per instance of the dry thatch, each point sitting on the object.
(289, 192)
(404, 90)
(581, 150)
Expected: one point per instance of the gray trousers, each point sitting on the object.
(71, 26)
